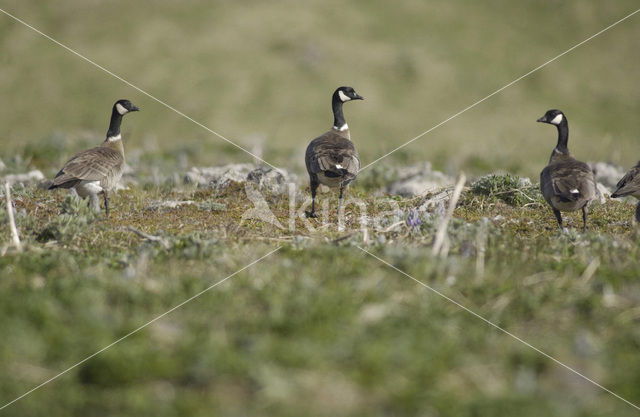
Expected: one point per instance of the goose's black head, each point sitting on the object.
(124, 106)
(553, 117)
(346, 94)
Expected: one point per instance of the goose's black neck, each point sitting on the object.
(563, 137)
(114, 125)
(338, 117)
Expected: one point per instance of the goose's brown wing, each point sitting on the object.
(629, 184)
(94, 164)
(334, 153)
(570, 180)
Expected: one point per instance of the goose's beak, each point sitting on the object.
(134, 108)
(358, 97)
(542, 120)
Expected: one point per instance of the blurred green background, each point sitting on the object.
(261, 74)
(318, 329)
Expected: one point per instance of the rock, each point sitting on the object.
(418, 179)
(602, 193)
(171, 204)
(218, 177)
(28, 178)
(607, 174)
(266, 178)
(272, 180)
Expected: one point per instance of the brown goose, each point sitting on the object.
(630, 185)
(332, 158)
(566, 183)
(97, 170)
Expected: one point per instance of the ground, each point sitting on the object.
(319, 327)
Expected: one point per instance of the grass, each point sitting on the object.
(318, 328)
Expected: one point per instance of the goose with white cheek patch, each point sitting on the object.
(331, 158)
(566, 183)
(97, 170)
(630, 185)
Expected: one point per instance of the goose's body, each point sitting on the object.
(566, 183)
(97, 170)
(93, 170)
(331, 158)
(630, 185)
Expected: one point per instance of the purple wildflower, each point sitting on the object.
(413, 219)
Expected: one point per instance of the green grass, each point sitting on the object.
(247, 68)
(318, 328)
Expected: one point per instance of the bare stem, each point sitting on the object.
(12, 223)
(147, 236)
(439, 246)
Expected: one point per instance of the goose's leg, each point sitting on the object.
(106, 202)
(558, 217)
(340, 198)
(585, 210)
(313, 184)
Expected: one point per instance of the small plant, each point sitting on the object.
(413, 219)
(212, 206)
(75, 216)
(511, 189)
(75, 206)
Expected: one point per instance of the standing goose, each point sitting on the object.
(630, 185)
(98, 170)
(332, 158)
(566, 183)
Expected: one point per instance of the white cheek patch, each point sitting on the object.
(574, 191)
(343, 96)
(556, 120)
(121, 108)
(338, 166)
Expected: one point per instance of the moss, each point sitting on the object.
(507, 187)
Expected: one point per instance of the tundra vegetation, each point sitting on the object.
(319, 326)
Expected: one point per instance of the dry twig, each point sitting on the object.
(440, 245)
(147, 236)
(12, 223)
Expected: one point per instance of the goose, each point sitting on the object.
(630, 185)
(331, 158)
(566, 183)
(98, 170)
